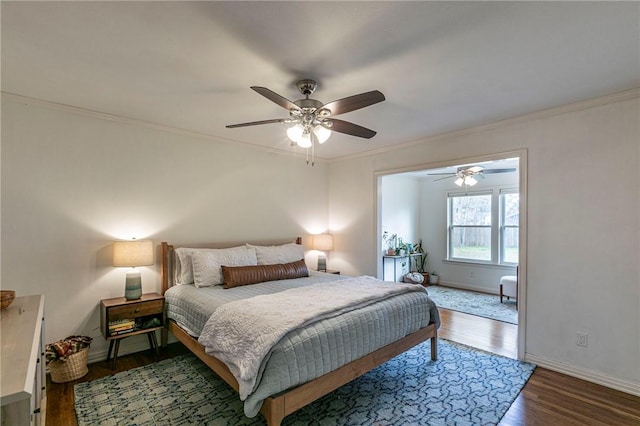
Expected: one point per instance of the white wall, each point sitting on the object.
(400, 215)
(400, 205)
(583, 229)
(73, 182)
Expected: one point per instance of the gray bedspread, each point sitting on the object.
(316, 349)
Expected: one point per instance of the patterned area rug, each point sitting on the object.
(464, 387)
(474, 303)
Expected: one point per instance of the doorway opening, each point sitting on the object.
(469, 217)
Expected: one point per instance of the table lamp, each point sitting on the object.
(322, 242)
(131, 254)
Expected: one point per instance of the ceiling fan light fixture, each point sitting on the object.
(466, 180)
(300, 135)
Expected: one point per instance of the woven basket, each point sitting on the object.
(73, 368)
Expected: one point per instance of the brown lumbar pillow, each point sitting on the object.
(235, 276)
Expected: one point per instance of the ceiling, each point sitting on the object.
(442, 66)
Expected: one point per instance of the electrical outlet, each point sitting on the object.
(582, 339)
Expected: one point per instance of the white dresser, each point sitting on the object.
(22, 378)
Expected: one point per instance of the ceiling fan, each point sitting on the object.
(466, 175)
(312, 120)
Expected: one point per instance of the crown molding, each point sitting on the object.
(146, 124)
(508, 122)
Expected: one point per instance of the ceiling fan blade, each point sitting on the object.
(498, 170)
(441, 174)
(443, 178)
(345, 127)
(354, 102)
(274, 97)
(255, 123)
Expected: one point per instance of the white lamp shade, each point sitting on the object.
(305, 140)
(322, 133)
(470, 180)
(323, 242)
(133, 253)
(295, 132)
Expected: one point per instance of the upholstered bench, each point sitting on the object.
(509, 287)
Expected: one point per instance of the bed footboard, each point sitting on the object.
(276, 408)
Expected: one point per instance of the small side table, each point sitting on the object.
(147, 314)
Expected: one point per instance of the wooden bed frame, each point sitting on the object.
(276, 408)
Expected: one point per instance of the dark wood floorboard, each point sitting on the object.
(548, 398)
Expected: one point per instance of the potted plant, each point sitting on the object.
(421, 261)
(402, 248)
(433, 278)
(390, 241)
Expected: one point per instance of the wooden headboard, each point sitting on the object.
(168, 256)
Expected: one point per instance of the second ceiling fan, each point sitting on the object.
(312, 121)
(466, 174)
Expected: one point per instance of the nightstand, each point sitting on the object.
(121, 318)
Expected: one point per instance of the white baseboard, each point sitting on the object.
(467, 287)
(588, 375)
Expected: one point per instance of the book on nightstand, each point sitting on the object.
(121, 327)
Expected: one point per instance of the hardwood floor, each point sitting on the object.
(548, 398)
(492, 336)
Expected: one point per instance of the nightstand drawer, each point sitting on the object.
(135, 310)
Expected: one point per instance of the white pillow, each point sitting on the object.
(183, 270)
(207, 265)
(271, 255)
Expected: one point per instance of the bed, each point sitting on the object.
(314, 358)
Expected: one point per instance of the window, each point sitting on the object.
(470, 227)
(483, 226)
